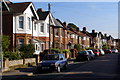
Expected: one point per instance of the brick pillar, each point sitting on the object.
(5, 65)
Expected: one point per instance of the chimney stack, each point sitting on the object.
(93, 31)
(77, 29)
(84, 29)
(105, 35)
(40, 10)
(64, 23)
(100, 33)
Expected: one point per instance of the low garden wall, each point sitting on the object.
(7, 64)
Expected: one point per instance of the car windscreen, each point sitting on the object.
(51, 57)
(82, 52)
(95, 51)
(90, 52)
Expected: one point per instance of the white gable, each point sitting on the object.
(29, 12)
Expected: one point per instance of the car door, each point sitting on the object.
(62, 60)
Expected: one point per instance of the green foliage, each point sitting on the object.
(72, 25)
(27, 50)
(5, 43)
(11, 55)
(83, 49)
(56, 50)
(66, 51)
(105, 47)
(89, 48)
(78, 47)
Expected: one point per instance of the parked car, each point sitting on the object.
(114, 50)
(101, 52)
(92, 55)
(108, 51)
(83, 55)
(53, 62)
(96, 52)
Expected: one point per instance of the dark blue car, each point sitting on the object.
(53, 62)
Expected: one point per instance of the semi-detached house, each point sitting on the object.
(18, 23)
(26, 25)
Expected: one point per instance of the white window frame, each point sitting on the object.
(47, 28)
(28, 23)
(35, 26)
(21, 20)
(20, 43)
(42, 26)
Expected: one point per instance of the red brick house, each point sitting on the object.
(19, 19)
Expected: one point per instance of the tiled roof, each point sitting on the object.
(57, 23)
(61, 24)
(93, 34)
(87, 33)
(18, 7)
(81, 34)
(70, 31)
(42, 15)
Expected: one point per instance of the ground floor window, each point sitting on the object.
(57, 45)
(20, 43)
(62, 46)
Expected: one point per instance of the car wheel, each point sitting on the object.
(58, 69)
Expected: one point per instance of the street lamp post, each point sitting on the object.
(49, 30)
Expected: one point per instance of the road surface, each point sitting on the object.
(102, 68)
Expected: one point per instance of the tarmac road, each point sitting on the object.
(102, 68)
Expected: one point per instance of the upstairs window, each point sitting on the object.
(47, 28)
(28, 23)
(35, 26)
(21, 22)
(63, 33)
(56, 31)
(83, 38)
(42, 27)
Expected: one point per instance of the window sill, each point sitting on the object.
(41, 32)
(20, 29)
(56, 36)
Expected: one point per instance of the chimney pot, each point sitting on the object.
(40, 9)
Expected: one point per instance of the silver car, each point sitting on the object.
(114, 50)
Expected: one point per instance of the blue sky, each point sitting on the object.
(101, 16)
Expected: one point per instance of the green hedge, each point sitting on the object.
(56, 50)
(27, 50)
(11, 55)
(66, 51)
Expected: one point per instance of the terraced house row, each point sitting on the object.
(23, 23)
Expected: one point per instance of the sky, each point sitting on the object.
(101, 16)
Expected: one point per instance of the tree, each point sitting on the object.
(71, 25)
(105, 46)
(78, 47)
(27, 50)
(5, 43)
